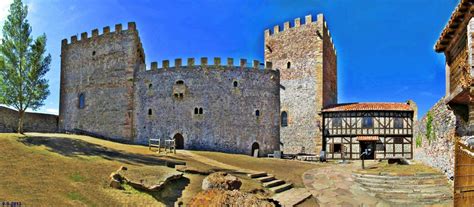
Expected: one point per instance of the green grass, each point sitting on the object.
(77, 177)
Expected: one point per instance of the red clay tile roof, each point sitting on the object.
(367, 138)
(369, 107)
(463, 8)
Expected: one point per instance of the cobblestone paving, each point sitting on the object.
(334, 186)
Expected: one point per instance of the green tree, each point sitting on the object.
(429, 127)
(23, 64)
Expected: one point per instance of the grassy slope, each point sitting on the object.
(73, 175)
(35, 176)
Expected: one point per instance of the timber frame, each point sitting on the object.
(391, 140)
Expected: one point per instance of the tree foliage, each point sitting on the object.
(429, 127)
(23, 64)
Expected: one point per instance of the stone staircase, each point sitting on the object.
(270, 182)
(413, 190)
(284, 192)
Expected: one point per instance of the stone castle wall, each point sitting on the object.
(34, 122)
(102, 68)
(229, 97)
(439, 151)
(299, 53)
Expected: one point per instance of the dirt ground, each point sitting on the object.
(72, 170)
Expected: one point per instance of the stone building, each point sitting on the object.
(107, 91)
(306, 57)
(382, 130)
(456, 42)
(452, 118)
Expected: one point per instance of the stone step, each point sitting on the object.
(257, 174)
(390, 177)
(417, 196)
(266, 179)
(273, 183)
(421, 202)
(281, 188)
(401, 182)
(410, 191)
(401, 185)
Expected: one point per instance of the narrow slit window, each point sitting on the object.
(284, 119)
(196, 111)
(82, 101)
(150, 112)
(200, 111)
(236, 84)
(257, 113)
(288, 65)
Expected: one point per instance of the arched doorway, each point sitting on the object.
(179, 141)
(255, 149)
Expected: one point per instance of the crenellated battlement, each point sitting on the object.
(204, 64)
(308, 20)
(95, 33)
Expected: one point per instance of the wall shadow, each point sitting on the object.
(74, 148)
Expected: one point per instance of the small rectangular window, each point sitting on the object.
(398, 123)
(398, 140)
(337, 122)
(367, 122)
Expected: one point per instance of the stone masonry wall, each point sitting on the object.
(228, 123)
(34, 122)
(298, 53)
(101, 67)
(439, 152)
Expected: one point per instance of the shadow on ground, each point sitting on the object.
(172, 192)
(74, 148)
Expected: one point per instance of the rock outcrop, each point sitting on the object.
(221, 180)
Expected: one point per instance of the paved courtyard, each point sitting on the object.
(334, 186)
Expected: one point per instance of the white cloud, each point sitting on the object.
(4, 6)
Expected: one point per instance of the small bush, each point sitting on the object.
(418, 140)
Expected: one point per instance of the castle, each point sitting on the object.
(107, 90)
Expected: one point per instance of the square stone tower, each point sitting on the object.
(306, 57)
(97, 82)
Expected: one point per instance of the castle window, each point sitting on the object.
(398, 123)
(180, 82)
(288, 65)
(82, 101)
(235, 84)
(150, 85)
(150, 112)
(200, 111)
(398, 140)
(367, 122)
(93, 53)
(337, 122)
(196, 111)
(257, 113)
(284, 119)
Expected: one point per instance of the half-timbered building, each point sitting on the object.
(383, 130)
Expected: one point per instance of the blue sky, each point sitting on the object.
(384, 47)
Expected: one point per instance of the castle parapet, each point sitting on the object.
(95, 33)
(204, 64)
(297, 23)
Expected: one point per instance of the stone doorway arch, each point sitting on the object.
(179, 141)
(255, 149)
